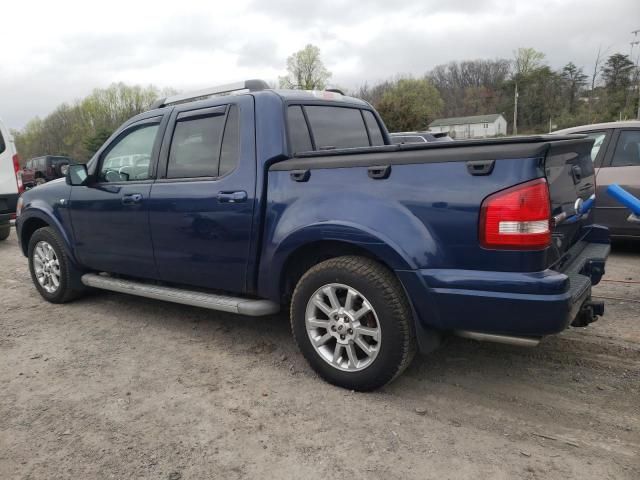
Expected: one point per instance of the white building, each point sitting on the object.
(478, 126)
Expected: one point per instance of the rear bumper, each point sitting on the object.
(8, 204)
(531, 304)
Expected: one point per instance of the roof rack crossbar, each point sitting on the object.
(250, 85)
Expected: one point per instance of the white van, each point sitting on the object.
(10, 181)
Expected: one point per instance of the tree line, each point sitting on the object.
(546, 98)
(79, 129)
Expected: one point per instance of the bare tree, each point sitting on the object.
(594, 79)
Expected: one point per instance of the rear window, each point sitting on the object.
(337, 127)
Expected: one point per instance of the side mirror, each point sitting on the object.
(77, 174)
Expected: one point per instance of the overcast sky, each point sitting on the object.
(58, 51)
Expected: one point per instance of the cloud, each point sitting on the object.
(71, 48)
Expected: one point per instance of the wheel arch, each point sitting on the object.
(289, 263)
(34, 219)
(307, 247)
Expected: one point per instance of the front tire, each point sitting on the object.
(50, 269)
(353, 323)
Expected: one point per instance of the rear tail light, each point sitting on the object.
(517, 218)
(16, 168)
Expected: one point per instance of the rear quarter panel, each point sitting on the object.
(422, 216)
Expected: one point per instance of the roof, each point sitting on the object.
(441, 122)
(285, 94)
(311, 95)
(601, 126)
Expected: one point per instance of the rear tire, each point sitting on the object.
(356, 307)
(51, 272)
(5, 231)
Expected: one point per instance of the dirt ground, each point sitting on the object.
(113, 386)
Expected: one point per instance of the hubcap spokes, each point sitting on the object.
(343, 327)
(46, 266)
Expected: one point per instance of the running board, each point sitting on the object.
(223, 303)
(490, 337)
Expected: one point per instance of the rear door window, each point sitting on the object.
(337, 127)
(195, 147)
(627, 151)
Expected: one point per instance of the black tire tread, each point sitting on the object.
(393, 293)
(68, 294)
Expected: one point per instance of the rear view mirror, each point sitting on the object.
(77, 174)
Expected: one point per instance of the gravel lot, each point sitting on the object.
(113, 386)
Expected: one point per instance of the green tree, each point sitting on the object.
(575, 80)
(526, 61)
(410, 104)
(93, 143)
(618, 73)
(79, 129)
(305, 70)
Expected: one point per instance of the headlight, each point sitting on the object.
(19, 207)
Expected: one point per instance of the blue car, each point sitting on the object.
(250, 200)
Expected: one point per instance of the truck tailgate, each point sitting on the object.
(571, 178)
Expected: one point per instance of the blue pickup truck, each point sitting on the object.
(251, 200)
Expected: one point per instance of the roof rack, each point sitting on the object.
(250, 85)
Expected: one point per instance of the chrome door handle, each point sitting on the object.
(132, 199)
(232, 197)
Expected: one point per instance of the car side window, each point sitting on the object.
(375, 134)
(2, 144)
(195, 147)
(129, 158)
(598, 141)
(230, 152)
(298, 131)
(627, 151)
(337, 127)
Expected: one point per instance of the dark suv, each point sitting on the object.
(44, 169)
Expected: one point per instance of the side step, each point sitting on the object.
(243, 306)
(490, 337)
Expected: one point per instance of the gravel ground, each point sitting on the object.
(113, 386)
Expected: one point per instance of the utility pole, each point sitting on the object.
(515, 111)
(636, 42)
